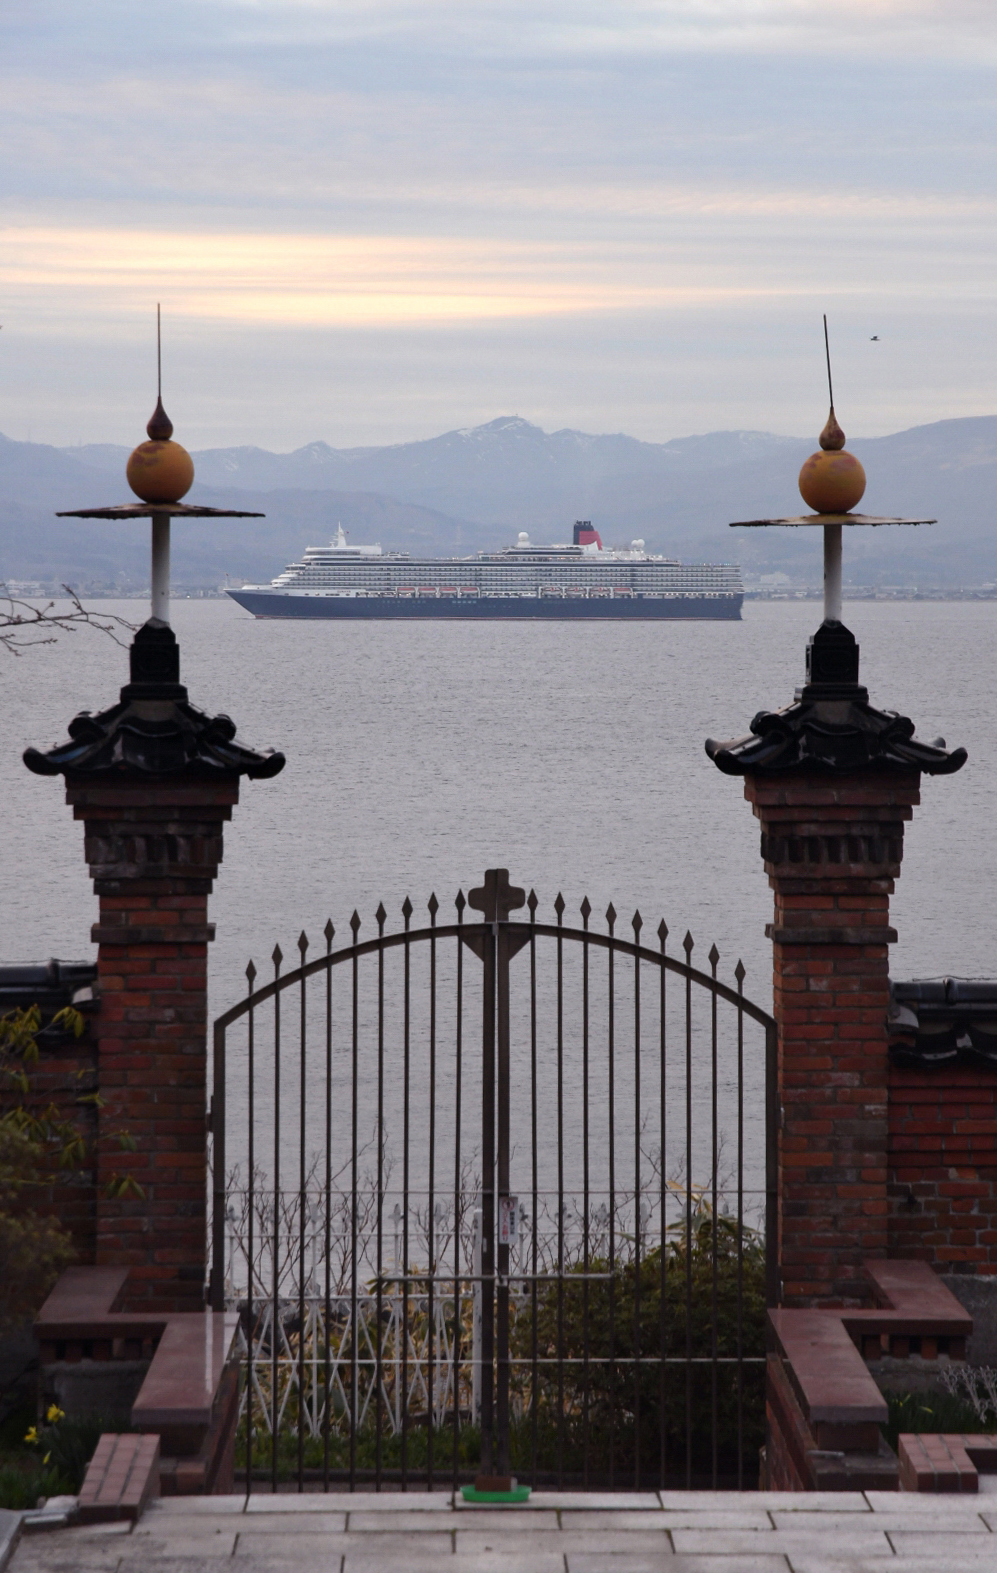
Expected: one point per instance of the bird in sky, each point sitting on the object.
(874, 339)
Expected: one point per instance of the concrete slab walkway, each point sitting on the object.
(676, 1532)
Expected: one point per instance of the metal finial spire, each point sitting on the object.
(160, 427)
(832, 438)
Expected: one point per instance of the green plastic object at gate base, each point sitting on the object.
(518, 1494)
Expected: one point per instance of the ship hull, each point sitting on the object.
(512, 608)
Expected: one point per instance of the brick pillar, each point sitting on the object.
(833, 782)
(154, 850)
(832, 848)
(154, 781)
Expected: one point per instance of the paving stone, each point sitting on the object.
(587, 1563)
(820, 1562)
(649, 1518)
(182, 1563)
(925, 1543)
(787, 1501)
(142, 1549)
(680, 1518)
(42, 1556)
(170, 1527)
(950, 1514)
(293, 1525)
(183, 1507)
(734, 1542)
(564, 1541)
(502, 1518)
(482, 1562)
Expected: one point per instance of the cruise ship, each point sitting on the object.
(580, 580)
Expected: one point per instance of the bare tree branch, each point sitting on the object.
(23, 624)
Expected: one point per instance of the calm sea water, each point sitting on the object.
(417, 756)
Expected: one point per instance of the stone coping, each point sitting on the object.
(822, 1350)
(191, 1353)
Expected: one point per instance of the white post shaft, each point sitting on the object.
(832, 573)
(161, 566)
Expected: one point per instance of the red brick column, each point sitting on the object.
(832, 846)
(154, 847)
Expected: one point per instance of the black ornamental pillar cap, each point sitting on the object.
(153, 730)
(831, 727)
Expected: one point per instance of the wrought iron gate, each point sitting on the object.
(568, 1276)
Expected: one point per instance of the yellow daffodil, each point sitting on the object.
(32, 1435)
(54, 1414)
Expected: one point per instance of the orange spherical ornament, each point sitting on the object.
(160, 470)
(832, 481)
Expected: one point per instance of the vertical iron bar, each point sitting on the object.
(327, 1409)
(431, 1327)
(663, 1205)
(275, 1307)
(688, 947)
(302, 1222)
(504, 1248)
(354, 1094)
(406, 1155)
(611, 919)
(458, 1198)
(534, 1330)
(559, 908)
(739, 974)
(637, 925)
(586, 1192)
(251, 1194)
(489, 943)
(715, 1160)
(379, 1289)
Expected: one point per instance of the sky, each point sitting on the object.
(370, 221)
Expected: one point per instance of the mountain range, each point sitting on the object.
(478, 487)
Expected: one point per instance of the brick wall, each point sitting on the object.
(832, 847)
(942, 1180)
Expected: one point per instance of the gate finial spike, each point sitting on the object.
(460, 903)
(611, 916)
(381, 916)
(329, 933)
(277, 957)
(637, 922)
(251, 975)
(714, 957)
(586, 910)
(662, 932)
(532, 903)
(302, 945)
(355, 924)
(687, 944)
(433, 905)
(407, 910)
(559, 906)
(739, 972)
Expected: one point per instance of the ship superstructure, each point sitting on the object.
(582, 578)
